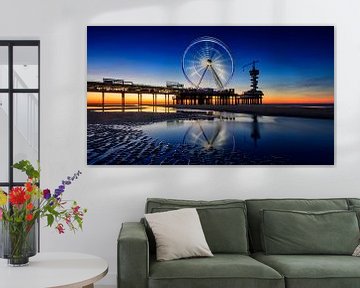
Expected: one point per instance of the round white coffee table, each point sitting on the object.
(60, 270)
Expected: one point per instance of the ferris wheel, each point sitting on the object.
(207, 62)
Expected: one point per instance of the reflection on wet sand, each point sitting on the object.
(255, 133)
(203, 138)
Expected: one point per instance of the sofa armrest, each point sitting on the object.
(133, 256)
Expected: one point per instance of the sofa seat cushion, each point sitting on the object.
(314, 271)
(222, 270)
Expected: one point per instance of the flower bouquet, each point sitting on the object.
(21, 208)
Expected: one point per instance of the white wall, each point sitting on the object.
(117, 194)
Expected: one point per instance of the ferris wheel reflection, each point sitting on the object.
(218, 135)
(209, 137)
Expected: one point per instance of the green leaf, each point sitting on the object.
(79, 221)
(50, 219)
(53, 211)
(26, 167)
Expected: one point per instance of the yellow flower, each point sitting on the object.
(3, 198)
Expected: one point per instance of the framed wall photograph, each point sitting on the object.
(210, 95)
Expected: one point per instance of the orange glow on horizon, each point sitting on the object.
(289, 97)
(299, 100)
(95, 98)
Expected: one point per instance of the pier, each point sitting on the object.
(172, 95)
(175, 93)
(252, 96)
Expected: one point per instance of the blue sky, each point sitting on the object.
(294, 62)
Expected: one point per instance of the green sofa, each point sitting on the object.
(233, 230)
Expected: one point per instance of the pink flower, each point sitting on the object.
(60, 228)
(1, 214)
(76, 210)
(68, 219)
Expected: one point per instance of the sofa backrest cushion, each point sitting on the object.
(255, 206)
(223, 221)
(354, 205)
(298, 232)
(353, 202)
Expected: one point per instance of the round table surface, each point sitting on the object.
(45, 270)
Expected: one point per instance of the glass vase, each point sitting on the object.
(18, 242)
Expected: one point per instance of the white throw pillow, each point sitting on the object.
(357, 251)
(178, 234)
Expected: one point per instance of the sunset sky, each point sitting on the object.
(296, 63)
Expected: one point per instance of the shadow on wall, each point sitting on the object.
(140, 12)
(163, 13)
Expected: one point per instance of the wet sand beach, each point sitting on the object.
(128, 145)
(118, 138)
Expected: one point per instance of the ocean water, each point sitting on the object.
(278, 140)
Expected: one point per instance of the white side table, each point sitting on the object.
(50, 270)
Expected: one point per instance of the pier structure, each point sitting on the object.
(127, 87)
(201, 96)
(252, 96)
(176, 93)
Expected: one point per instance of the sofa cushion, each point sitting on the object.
(353, 201)
(224, 221)
(356, 209)
(314, 271)
(297, 232)
(255, 206)
(178, 234)
(354, 205)
(222, 270)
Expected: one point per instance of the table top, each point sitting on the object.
(66, 270)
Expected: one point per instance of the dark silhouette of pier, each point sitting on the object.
(171, 95)
(252, 96)
(177, 94)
